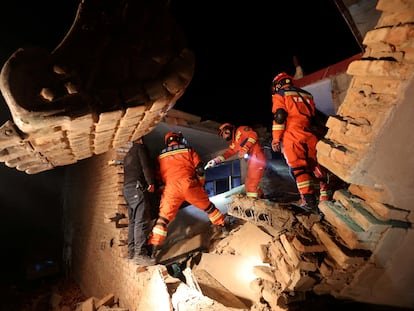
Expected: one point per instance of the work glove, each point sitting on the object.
(242, 153)
(211, 163)
(276, 145)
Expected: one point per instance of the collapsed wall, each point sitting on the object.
(113, 77)
(366, 145)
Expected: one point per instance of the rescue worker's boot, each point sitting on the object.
(130, 253)
(226, 228)
(310, 204)
(152, 251)
(143, 259)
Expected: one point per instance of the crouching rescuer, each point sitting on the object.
(182, 173)
(243, 140)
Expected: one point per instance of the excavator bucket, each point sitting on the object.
(122, 65)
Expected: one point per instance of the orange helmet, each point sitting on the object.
(171, 137)
(280, 80)
(226, 126)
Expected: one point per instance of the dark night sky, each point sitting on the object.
(30, 205)
(241, 45)
(26, 23)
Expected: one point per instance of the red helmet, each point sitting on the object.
(171, 137)
(281, 80)
(226, 126)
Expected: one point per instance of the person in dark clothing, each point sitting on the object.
(139, 181)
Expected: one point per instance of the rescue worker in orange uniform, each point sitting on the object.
(293, 109)
(244, 141)
(182, 172)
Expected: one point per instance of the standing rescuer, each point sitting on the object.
(293, 110)
(244, 141)
(182, 172)
(139, 181)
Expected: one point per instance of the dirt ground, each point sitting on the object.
(55, 293)
(60, 294)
